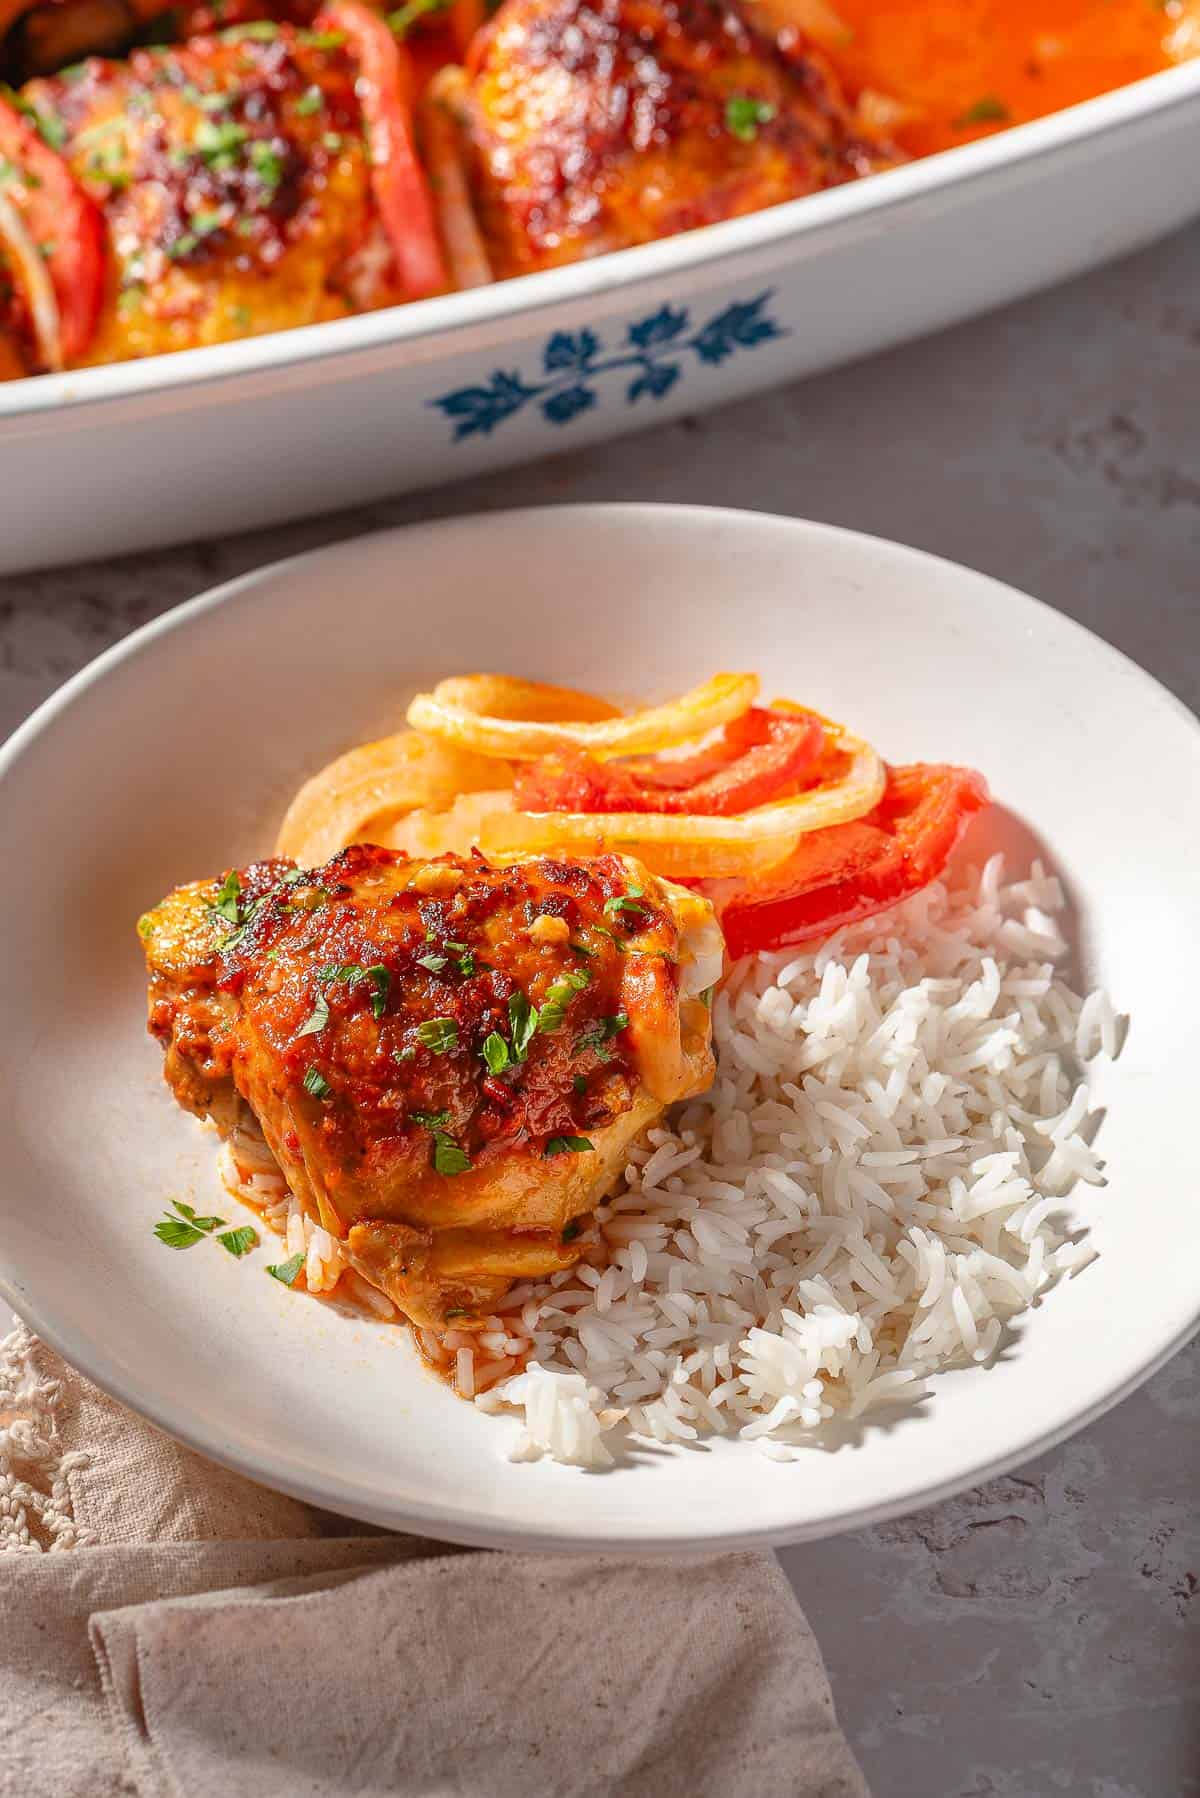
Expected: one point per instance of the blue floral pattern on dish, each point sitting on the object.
(654, 355)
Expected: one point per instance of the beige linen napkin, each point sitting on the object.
(169, 1630)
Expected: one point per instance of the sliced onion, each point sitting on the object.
(453, 831)
(442, 144)
(521, 737)
(357, 797)
(504, 696)
(687, 844)
(29, 268)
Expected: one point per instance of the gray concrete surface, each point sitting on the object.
(1037, 1636)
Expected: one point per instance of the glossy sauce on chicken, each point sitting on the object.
(448, 1058)
(602, 123)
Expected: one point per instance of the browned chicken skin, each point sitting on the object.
(448, 1059)
(596, 124)
(235, 186)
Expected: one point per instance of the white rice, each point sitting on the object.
(868, 1195)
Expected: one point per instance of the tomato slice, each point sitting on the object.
(64, 221)
(762, 755)
(401, 191)
(835, 877)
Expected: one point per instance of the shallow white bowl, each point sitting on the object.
(174, 754)
(298, 422)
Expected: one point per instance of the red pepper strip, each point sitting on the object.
(401, 191)
(64, 221)
(835, 877)
(759, 757)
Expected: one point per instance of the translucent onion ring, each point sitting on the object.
(464, 825)
(357, 797)
(457, 717)
(29, 266)
(533, 701)
(693, 841)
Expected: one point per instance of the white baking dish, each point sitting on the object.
(249, 433)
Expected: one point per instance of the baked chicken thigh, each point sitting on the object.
(212, 190)
(591, 125)
(448, 1058)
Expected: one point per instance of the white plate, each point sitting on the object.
(174, 754)
(298, 422)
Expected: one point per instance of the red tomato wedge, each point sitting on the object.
(761, 756)
(64, 222)
(402, 194)
(835, 877)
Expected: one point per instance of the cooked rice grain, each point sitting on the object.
(870, 1192)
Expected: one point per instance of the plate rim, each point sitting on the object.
(467, 1525)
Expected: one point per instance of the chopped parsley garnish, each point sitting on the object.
(316, 1020)
(316, 1084)
(432, 1120)
(322, 40)
(706, 997)
(227, 903)
(310, 101)
(351, 971)
(50, 127)
(495, 1052)
(448, 1157)
(435, 963)
(205, 223)
(523, 1019)
(183, 246)
(405, 17)
(381, 980)
(261, 31)
(239, 1242)
(559, 994)
(987, 110)
(184, 1230)
(216, 140)
(571, 1229)
(176, 1234)
(744, 114)
(582, 949)
(332, 141)
(286, 1271)
(570, 1145)
(439, 1035)
(210, 102)
(580, 1084)
(266, 162)
(403, 1055)
(601, 1033)
(624, 902)
(466, 965)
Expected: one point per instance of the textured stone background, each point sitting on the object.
(1037, 1636)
